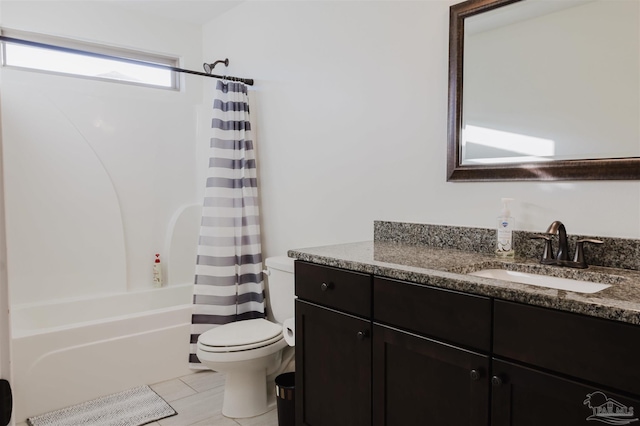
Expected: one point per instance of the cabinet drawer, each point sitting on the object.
(447, 315)
(336, 288)
(592, 349)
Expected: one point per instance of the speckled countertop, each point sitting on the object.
(448, 268)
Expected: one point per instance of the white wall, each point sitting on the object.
(351, 113)
(94, 170)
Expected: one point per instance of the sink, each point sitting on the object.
(576, 286)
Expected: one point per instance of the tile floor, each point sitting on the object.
(197, 398)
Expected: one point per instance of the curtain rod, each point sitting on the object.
(248, 81)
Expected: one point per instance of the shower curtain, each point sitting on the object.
(228, 282)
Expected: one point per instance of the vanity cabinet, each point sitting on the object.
(384, 352)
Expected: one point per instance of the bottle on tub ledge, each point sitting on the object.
(157, 272)
(504, 243)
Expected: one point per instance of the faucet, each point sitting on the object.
(562, 257)
(557, 227)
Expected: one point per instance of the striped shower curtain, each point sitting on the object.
(228, 283)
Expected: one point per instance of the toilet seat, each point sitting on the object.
(240, 336)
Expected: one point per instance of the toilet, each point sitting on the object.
(249, 352)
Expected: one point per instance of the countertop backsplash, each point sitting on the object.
(614, 253)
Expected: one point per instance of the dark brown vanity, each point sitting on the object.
(396, 344)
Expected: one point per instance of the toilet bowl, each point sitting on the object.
(248, 351)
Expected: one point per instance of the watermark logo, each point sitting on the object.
(608, 410)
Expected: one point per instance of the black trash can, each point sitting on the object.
(285, 396)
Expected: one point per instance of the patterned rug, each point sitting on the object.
(133, 407)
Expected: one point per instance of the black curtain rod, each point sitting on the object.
(248, 81)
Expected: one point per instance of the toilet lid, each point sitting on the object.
(240, 348)
(241, 335)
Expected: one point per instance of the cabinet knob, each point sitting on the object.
(475, 375)
(362, 334)
(325, 286)
(496, 381)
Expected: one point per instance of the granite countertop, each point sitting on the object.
(448, 268)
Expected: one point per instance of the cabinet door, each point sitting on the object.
(525, 397)
(419, 381)
(333, 368)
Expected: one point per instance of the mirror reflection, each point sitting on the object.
(548, 80)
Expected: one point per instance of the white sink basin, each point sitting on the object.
(542, 280)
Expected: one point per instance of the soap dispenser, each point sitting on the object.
(504, 243)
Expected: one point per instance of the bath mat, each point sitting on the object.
(133, 407)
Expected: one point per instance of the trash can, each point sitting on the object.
(285, 396)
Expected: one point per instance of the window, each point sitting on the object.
(64, 56)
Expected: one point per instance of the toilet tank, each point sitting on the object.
(280, 287)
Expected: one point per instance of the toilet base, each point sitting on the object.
(246, 377)
(245, 394)
(245, 386)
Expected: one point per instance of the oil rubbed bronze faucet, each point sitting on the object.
(562, 257)
(557, 227)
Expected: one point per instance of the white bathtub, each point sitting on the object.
(68, 352)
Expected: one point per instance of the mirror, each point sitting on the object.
(544, 90)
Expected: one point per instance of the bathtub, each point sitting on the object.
(68, 352)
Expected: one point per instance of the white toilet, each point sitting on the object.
(249, 351)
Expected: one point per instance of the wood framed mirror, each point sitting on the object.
(533, 98)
